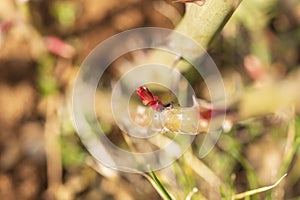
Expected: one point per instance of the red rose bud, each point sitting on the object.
(149, 99)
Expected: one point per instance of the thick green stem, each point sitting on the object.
(203, 23)
(200, 23)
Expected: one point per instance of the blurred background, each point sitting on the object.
(43, 43)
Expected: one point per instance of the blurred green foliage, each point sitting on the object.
(47, 84)
(65, 12)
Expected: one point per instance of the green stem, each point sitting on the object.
(203, 23)
(163, 192)
(200, 23)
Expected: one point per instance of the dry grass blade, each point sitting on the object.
(190, 195)
(204, 171)
(52, 146)
(291, 134)
(259, 190)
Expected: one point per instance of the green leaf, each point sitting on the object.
(162, 191)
